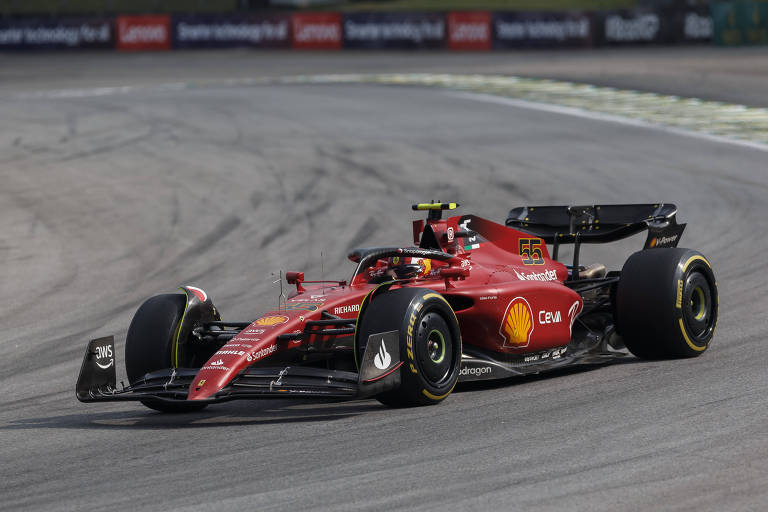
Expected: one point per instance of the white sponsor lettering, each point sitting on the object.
(472, 370)
(470, 31)
(547, 275)
(318, 32)
(217, 363)
(449, 232)
(641, 28)
(349, 308)
(60, 34)
(406, 30)
(261, 353)
(550, 317)
(541, 29)
(227, 32)
(664, 240)
(488, 297)
(215, 368)
(230, 352)
(104, 352)
(255, 331)
(697, 26)
(145, 34)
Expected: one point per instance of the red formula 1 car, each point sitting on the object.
(474, 300)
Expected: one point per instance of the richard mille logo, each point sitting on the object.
(382, 358)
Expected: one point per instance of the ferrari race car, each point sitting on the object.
(471, 300)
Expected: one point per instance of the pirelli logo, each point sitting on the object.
(679, 303)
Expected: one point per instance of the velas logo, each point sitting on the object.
(382, 358)
(573, 312)
(517, 326)
(199, 293)
(272, 320)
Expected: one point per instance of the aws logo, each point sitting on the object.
(270, 321)
(517, 327)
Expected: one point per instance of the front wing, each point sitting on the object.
(97, 381)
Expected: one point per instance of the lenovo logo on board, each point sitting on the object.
(144, 32)
(469, 30)
(316, 30)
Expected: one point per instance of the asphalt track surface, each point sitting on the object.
(108, 199)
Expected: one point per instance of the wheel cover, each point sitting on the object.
(435, 349)
(698, 306)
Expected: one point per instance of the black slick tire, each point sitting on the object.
(430, 344)
(666, 303)
(149, 344)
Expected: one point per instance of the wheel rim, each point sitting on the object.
(434, 349)
(436, 346)
(698, 305)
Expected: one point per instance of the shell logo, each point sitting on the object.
(270, 321)
(517, 327)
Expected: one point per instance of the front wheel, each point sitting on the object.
(666, 303)
(430, 343)
(150, 342)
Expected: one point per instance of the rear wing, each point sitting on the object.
(599, 223)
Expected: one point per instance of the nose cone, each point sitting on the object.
(254, 343)
(202, 388)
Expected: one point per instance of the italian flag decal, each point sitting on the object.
(470, 247)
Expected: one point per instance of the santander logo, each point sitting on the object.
(382, 359)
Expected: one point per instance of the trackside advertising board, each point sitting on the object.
(381, 30)
(316, 31)
(541, 29)
(231, 31)
(740, 22)
(734, 22)
(469, 30)
(148, 32)
(32, 33)
(633, 27)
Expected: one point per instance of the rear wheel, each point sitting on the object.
(430, 344)
(149, 344)
(666, 303)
